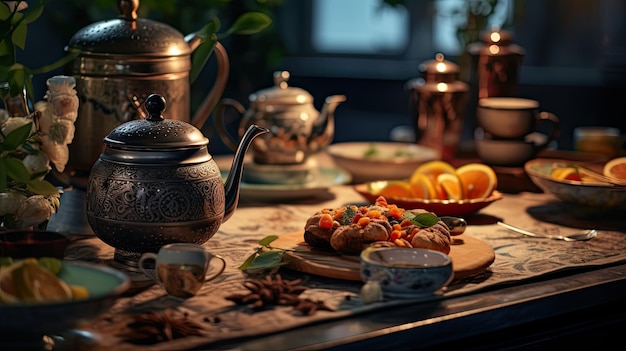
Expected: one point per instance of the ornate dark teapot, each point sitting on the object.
(156, 183)
(297, 129)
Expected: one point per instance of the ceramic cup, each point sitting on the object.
(509, 153)
(514, 118)
(607, 141)
(182, 268)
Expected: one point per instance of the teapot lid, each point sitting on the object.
(281, 93)
(155, 133)
(128, 35)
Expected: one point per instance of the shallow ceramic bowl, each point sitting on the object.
(28, 320)
(368, 161)
(406, 272)
(371, 190)
(591, 195)
(22, 244)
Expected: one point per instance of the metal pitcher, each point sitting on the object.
(121, 62)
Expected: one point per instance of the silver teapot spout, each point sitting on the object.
(324, 128)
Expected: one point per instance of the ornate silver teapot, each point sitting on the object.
(297, 129)
(156, 183)
(123, 60)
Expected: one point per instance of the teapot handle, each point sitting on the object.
(220, 122)
(209, 102)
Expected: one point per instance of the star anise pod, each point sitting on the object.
(269, 291)
(155, 327)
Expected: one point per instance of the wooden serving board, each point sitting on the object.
(469, 255)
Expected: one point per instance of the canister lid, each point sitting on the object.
(495, 43)
(128, 35)
(439, 70)
(155, 133)
(281, 93)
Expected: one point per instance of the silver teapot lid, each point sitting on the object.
(155, 133)
(281, 93)
(128, 35)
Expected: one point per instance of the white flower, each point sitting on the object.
(15, 122)
(62, 98)
(58, 154)
(4, 115)
(38, 163)
(10, 201)
(37, 209)
(27, 202)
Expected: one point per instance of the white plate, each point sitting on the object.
(369, 161)
(273, 192)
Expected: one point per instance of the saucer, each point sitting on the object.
(255, 173)
(325, 178)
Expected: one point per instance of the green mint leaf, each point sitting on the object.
(421, 219)
(248, 261)
(267, 240)
(266, 260)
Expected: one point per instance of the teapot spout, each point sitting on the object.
(233, 181)
(324, 127)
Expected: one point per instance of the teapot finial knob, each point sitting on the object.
(155, 105)
(281, 78)
(128, 9)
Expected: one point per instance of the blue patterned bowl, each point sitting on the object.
(406, 272)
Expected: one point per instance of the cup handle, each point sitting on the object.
(554, 120)
(149, 273)
(222, 265)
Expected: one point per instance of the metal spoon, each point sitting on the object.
(587, 235)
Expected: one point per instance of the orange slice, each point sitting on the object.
(478, 180)
(422, 187)
(616, 168)
(432, 170)
(451, 185)
(396, 189)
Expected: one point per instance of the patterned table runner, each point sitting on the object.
(518, 258)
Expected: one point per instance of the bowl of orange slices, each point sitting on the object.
(594, 186)
(439, 187)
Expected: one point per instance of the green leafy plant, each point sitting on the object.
(246, 24)
(15, 16)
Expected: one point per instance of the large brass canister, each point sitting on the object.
(438, 104)
(121, 62)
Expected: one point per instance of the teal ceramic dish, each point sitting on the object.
(600, 195)
(104, 284)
